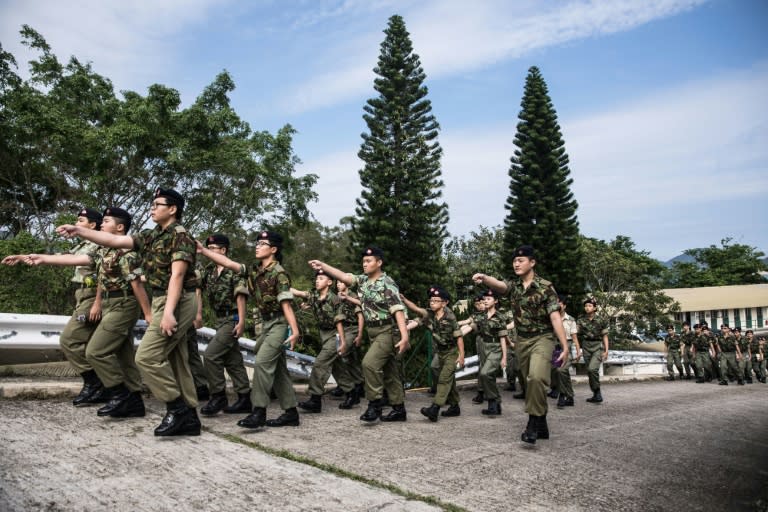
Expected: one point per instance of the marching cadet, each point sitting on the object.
(477, 314)
(687, 337)
(593, 335)
(491, 328)
(730, 354)
(756, 357)
(674, 345)
(562, 373)
(384, 315)
(85, 318)
(328, 310)
(221, 285)
(536, 315)
(169, 260)
(746, 357)
(270, 286)
(353, 334)
(763, 349)
(110, 348)
(702, 346)
(449, 349)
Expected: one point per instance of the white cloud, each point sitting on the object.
(454, 36)
(691, 145)
(131, 42)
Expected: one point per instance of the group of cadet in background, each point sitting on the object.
(154, 275)
(726, 356)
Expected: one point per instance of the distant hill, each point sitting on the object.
(682, 258)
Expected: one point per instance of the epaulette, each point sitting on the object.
(180, 229)
(544, 281)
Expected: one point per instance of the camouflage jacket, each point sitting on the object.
(445, 330)
(350, 310)
(701, 342)
(754, 346)
(743, 343)
(727, 343)
(160, 248)
(220, 289)
(491, 329)
(85, 275)
(328, 311)
(268, 285)
(116, 268)
(591, 330)
(531, 307)
(687, 338)
(380, 299)
(672, 342)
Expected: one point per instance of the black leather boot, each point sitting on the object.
(216, 404)
(337, 392)
(596, 397)
(116, 395)
(243, 404)
(396, 414)
(314, 404)
(431, 412)
(92, 391)
(553, 393)
(176, 418)
(564, 401)
(289, 418)
(203, 393)
(494, 408)
(542, 429)
(131, 407)
(353, 398)
(530, 434)
(478, 398)
(452, 410)
(373, 412)
(258, 418)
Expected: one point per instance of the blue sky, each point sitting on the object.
(662, 103)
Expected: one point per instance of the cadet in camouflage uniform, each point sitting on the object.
(562, 374)
(593, 335)
(730, 354)
(763, 349)
(169, 262)
(746, 357)
(673, 343)
(353, 334)
(384, 315)
(328, 309)
(479, 303)
(536, 315)
(491, 328)
(270, 286)
(223, 351)
(687, 337)
(702, 346)
(85, 317)
(449, 349)
(756, 357)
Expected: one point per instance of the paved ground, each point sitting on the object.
(652, 445)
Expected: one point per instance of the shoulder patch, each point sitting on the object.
(180, 229)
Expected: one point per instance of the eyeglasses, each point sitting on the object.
(154, 206)
(213, 246)
(262, 243)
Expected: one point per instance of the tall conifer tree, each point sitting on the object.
(400, 209)
(542, 210)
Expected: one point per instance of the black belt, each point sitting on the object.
(161, 292)
(111, 294)
(531, 334)
(378, 323)
(270, 315)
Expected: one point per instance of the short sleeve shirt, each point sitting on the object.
(532, 306)
(116, 267)
(380, 298)
(445, 330)
(86, 275)
(350, 310)
(491, 329)
(328, 310)
(160, 248)
(220, 288)
(268, 285)
(592, 329)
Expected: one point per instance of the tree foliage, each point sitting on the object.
(480, 251)
(542, 209)
(730, 264)
(70, 141)
(627, 285)
(400, 208)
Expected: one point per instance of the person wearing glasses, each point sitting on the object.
(169, 255)
(224, 291)
(270, 286)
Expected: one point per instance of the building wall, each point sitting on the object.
(745, 318)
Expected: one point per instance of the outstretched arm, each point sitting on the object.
(413, 307)
(70, 260)
(98, 237)
(491, 282)
(218, 258)
(331, 271)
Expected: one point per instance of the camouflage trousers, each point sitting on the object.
(223, 353)
(164, 360)
(688, 362)
(78, 330)
(110, 350)
(270, 371)
(381, 365)
(535, 358)
(703, 365)
(729, 365)
(673, 361)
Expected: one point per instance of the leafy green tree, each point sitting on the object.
(480, 251)
(400, 208)
(542, 209)
(730, 264)
(628, 287)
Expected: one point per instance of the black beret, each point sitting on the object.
(488, 293)
(479, 298)
(217, 239)
(436, 291)
(591, 300)
(119, 213)
(696, 326)
(737, 329)
(372, 250)
(524, 250)
(171, 196)
(274, 239)
(321, 272)
(90, 214)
